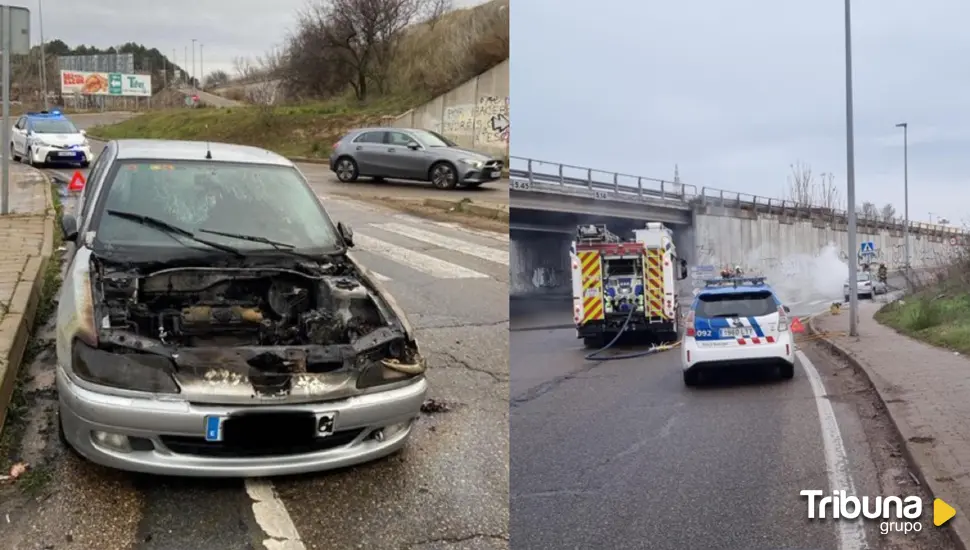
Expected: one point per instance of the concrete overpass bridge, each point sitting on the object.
(711, 226)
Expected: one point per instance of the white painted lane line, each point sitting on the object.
(458, 245)
(817, 302)
(379, 277)
(272, 517)
(416, 260)
(504, 237)
(851, 534)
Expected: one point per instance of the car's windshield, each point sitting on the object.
(862, 277)
(270, 202)
(434, 139)
(53, 127)
(736, 304)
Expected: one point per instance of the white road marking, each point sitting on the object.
(851, 534)
(504, 237)
(458, 245)
(817, 302)
(272, 517)
(416, 260)
(379, 277)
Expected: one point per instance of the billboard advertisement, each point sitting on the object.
(107, 84)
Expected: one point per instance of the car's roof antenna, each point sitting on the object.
(208, 148)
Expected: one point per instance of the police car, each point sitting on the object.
(736, 322)
(48, 138)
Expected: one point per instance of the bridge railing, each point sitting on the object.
(605, 185)
(526, 172)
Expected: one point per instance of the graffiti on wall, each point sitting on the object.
(493, 120)
(458, 120)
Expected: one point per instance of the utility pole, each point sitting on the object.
(850, 176)
(905, 127)
(43, 55)
(185, 58)
(194, 40)
(201, 67)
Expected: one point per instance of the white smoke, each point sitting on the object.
(802, 277)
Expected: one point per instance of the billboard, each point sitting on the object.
(100, 63)
(106, 84)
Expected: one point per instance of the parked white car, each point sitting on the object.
(866, 285)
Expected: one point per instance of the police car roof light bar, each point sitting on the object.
(735, 281)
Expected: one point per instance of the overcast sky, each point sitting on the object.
(734, 92)
(227, 28)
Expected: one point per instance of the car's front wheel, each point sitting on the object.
(444, 176)
(346, 170)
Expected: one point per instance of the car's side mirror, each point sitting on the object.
(346, 233)
(787, 309)
(69, 227)
(413, 146)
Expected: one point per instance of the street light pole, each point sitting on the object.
(850, 176)
(194, 40)
(905, 127)
(201, 66)
(43, 55)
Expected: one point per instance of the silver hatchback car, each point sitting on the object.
(213, 321)
(411, 154)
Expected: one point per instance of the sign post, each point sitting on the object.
(14, 39)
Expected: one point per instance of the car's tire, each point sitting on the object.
(85, 164)
(443, 175)
(13, 154)
(593, 342)
(346, 169)
(846, 300)
(691, 378)
(787, 371)
(30, 158)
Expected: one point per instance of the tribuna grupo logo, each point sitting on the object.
(895, 514)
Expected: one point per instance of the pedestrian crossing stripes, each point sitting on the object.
(418, 261)
(443, 241)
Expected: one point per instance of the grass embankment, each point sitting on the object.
(293, 131)
(21, 400)
(936, 315)
(432, 59)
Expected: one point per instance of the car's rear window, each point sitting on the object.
(736, 304)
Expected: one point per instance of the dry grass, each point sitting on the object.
(462, 44)
(294, 131)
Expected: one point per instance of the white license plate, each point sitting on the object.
(496, 173)
(68, 154)
(736, 332)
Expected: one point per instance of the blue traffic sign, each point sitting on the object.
(867, 246)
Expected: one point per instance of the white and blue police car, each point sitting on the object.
(736, 322)
(48, 137)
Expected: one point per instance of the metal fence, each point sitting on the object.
(536, 175)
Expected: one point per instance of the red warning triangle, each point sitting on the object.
(796, 325)
(77, 182)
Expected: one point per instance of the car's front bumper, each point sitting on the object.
(729, 354)
(469, 174)
(179, 424)
(41, 154)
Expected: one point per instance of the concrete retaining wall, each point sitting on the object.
(763, 242)
(539, 264)
(475, 115)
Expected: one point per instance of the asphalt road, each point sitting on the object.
(622, 455)
(448, 489)
(324, 181)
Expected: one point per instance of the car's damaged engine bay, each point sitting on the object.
(306, 331)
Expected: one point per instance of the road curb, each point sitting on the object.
(24, 303)
(959, 526)
(468, 207)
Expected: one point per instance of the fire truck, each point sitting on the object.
(620, 282)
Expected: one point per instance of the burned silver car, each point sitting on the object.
(213, 323)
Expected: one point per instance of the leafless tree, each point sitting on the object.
(434, 10)
(215, 79)
(869, 210)
(347, 42)
(888, 212)
(830, 196)
(801, 184)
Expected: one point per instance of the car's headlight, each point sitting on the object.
(473, 163)
(391, 370)
(127, 371)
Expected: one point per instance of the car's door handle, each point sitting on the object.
(359, 147)
(390, 149)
